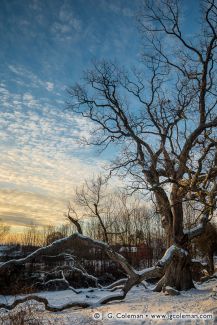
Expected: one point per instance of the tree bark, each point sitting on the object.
(178, 274)
(211, 262)
(166, 214)
(177, 212)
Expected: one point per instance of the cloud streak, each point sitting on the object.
(24, 208)
(40, 155)
(45, 45)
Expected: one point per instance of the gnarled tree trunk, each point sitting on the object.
(178, 274)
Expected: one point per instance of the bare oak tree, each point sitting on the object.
(163, 119)
(163, 122)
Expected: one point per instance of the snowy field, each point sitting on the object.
(141, 306)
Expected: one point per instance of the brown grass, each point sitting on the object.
(25, 314)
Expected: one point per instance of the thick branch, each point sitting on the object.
(135, 277)
(198, 230)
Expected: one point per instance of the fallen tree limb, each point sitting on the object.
(47, 250)
(45, 302)
(82, 272)
(134, 276)
(116, 283)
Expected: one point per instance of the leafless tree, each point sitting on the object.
(4, 230)
(94, 200)
(163, 119)
(110, 215)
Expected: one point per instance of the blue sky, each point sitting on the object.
(45, 46)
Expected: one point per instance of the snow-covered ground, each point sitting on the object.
(140, 302)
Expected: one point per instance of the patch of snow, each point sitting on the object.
(128, 249)
(140, 272)
(139, 301)
(194, 260)
(168, 254)
(184, 252)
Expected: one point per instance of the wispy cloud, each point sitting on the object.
(49, 86)
(39, 156)
(118, 7)
(25, 77)
(24, 208)
(45, 45)
(67, 24)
